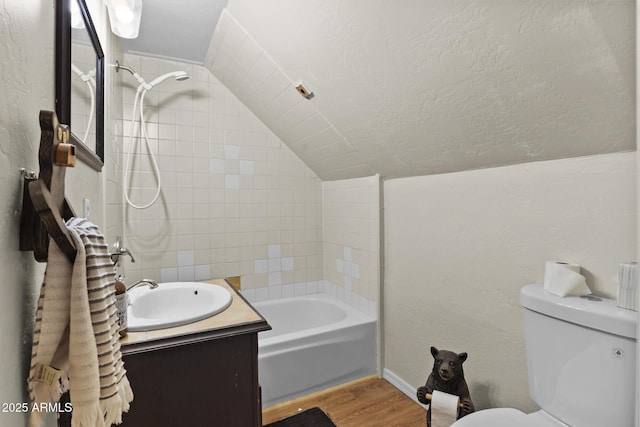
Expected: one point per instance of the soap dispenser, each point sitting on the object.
(122, 301)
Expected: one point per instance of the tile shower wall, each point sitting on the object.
(351, 236)
(235, 200)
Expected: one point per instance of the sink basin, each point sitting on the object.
(174, 304)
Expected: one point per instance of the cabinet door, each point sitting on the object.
(211, 383)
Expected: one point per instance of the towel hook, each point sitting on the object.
(45, 208)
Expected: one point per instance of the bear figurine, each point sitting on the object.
(447, 376)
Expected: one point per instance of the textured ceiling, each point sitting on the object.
(433, 86)
(416, 87)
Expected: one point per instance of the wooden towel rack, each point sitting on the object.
(44, 206)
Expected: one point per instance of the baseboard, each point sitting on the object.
(401, 385)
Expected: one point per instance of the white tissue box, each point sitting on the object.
(628, 286)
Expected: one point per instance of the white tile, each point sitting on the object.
(275, 278)
(231, 181)
(234, 37)
(186, 274)
(347, 253)
(275, 292)
(261, 266)
(248, 55)
(232, 167)
(261, 294)
(169, 274)
(300, 289)
(222, 61)
(348, 282)
(331, 289)
(312, 125)
(330, 150)
(202, 272)
(276, 83)
(300, 112)
(288, 291)
(285, 101)
(185, 258)
(347, 268)
(274, 251)
(231, 152)
(275, 264)
(313, 287)
(246, 167)
(355, 271)
(339, 265)
(287, 264)
(260, 72)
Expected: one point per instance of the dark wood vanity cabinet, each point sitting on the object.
(199, 375)
(213, 382)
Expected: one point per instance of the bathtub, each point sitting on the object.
(317, 341)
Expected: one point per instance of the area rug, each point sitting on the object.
(313, 417)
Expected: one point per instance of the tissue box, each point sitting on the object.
(628, 286)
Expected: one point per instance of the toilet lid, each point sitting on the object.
(503, 417)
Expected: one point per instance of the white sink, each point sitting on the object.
(174, 304)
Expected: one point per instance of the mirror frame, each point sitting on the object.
(93, 158)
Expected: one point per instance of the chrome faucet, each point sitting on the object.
(118, 251)
(152, 284)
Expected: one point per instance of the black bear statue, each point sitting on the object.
(447, 376)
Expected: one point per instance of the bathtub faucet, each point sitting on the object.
(118, 251)
(152, 284)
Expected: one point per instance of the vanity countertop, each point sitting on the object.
(239, 317)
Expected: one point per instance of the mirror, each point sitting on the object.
(79, 87)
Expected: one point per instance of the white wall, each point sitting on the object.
(637, 210)
(27, 86)
(459, 247)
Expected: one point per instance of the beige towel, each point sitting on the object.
(76, 333)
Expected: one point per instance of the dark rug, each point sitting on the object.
(313, 417)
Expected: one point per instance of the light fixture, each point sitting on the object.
(124, 17)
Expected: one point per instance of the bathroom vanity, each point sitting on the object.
(201, 374)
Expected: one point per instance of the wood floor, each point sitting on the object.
(369, 402)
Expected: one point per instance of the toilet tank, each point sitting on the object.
(581, 357)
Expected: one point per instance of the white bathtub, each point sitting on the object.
(316, 342)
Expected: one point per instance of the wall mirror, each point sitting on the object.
(79, 81)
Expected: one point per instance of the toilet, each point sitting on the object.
(581, 358)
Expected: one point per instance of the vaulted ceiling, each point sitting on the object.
(416, 87)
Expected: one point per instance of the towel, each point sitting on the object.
(75, 337)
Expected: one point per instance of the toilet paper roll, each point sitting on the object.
(444, 409)
(563, 278)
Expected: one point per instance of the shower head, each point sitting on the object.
(137, 76)
(177, 75)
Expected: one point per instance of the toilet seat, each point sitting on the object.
(507, 417)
